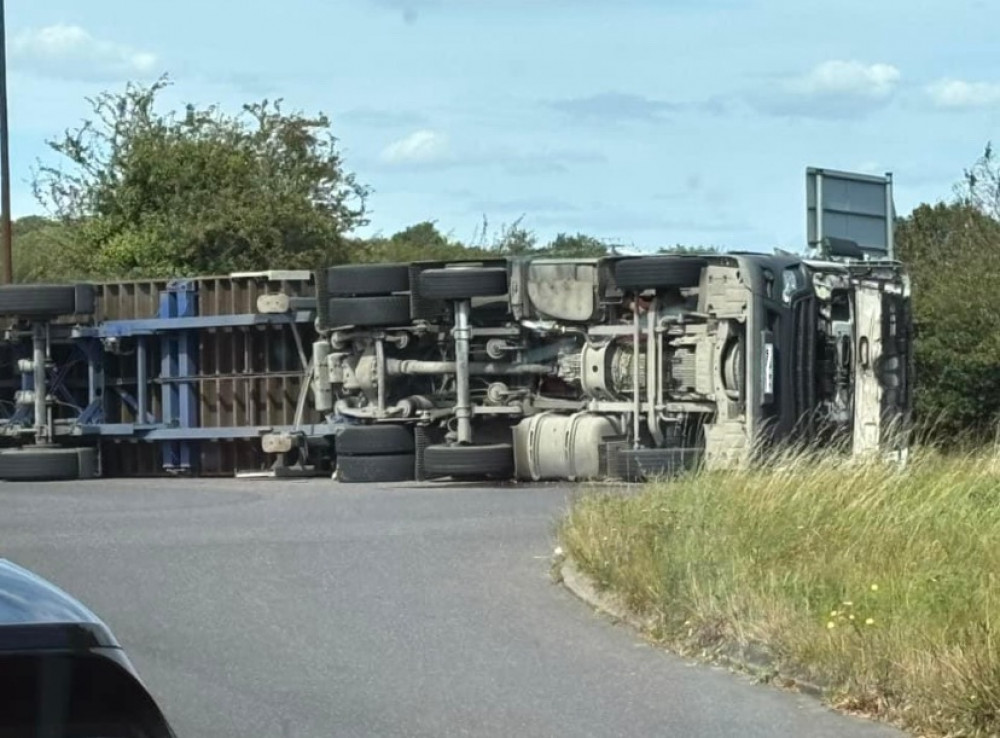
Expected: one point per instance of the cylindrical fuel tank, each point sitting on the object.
(554, 446)
(322, 392)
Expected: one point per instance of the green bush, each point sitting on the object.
(203, 192)
(953, 254)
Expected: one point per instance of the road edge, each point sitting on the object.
(745, 659)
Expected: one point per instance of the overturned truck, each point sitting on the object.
(619, 367)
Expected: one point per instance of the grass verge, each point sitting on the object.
(879, 584)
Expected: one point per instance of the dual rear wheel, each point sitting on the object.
(376, 453)
(381, 295)
(386, 453)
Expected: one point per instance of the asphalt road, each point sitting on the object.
(293, 609)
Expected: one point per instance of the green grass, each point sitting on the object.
(880, 584)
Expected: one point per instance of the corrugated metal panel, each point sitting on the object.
(128, 300)
(246, 376)
(221, 295)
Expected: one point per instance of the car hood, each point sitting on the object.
(29, 603)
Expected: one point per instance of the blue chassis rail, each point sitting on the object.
(153, 326)
(160, 432)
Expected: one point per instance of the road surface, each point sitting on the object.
(302, 608)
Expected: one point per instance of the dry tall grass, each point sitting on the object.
(879, 582)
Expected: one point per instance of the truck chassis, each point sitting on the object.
(619, 367)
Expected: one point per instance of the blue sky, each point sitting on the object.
(648, 122)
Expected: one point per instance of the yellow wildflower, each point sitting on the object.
(874, 588)
(870, 621)
(830, 625)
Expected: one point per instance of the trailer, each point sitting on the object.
(202, 376)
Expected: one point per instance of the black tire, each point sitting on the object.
(384, 468)
(387, 310)
(463, 283)
(46, 300)
(369, 440)
(653, 272)
(45, 463)
(367, 279)
(494, 460)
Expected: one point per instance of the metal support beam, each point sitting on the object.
(819, 210)
(399, 367)
(39, 354)
(142, 379)
(88, 349)
(636, 395)
(381, 376)
(890, 218)
(463, 392)
(654, 372)
(178, 351)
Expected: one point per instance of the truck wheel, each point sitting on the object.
(382, 468)
(367, 279)
(494, 460)
(652, 272)
(462, 283)
(386, 310)
(45, 463)
(46, 300)
(374, 439)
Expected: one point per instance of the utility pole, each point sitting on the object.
(5, 229)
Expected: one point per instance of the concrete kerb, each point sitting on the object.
(747, 659)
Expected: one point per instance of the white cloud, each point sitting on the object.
(425, 150)
(847, 78)
(615, 107)
(71, 52)
(957, 94)
(420, 147)
(833, 89)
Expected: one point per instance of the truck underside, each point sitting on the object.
(622, 367)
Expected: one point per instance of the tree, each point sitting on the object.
(422, 241)
(157, 194)
(980, 187)
(679, 249)
(511, 240)
(43, 250)
(952, 252)
(579, 246)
